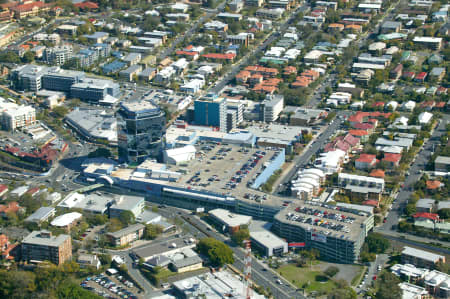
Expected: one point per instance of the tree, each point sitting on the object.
(331, 271)
(241, 235)
(114, 225)
(60, 111)
(387, 286)
(28, 57)
(9, 56)
(126, 217)
(100, 152)
(152, 231)
(211, 3)
(377, 243)
(218, 252)
(343, 293)
(444, 213)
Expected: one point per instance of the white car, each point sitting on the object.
(279, 282)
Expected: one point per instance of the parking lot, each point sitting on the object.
(226, 168)
(111, 286)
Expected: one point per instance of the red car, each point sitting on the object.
(374, 277)
(384, 220)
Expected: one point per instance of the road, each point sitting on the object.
(372, 270)
(244, 61)
(406, 191)
(260, 274)
(303, 159)
(169, 50)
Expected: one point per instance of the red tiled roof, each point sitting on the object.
(431, 216)
(87, 5)
(366, 158)
(243, 74)
(440, 105)
(4, 241)
(336, 25)
(433, 184)
(441, 90)
(371, 202)
(421, 75)
(290, 70)
(363, 126)
(10, 207)
(187, 53)
(377, 173)
(351, 140)
(378, 104)
(3, 188)
(394, 158)
(430, 103)
(33, 190)
(227, 56)
(358, 133)
(29, 6)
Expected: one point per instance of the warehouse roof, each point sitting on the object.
(422, 254)
(229, 218)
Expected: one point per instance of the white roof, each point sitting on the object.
(370, 5)
(315, 171)
(229, 218)
(427, 39)
(181, 153)
(314, 54)
(422, 254)
(411, 291)
(267, 239)
(66, 219)
(425, 117)
(308, 180)
(409, 105)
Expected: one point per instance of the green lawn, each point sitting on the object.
(301, 276)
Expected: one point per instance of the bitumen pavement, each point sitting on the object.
(405, 192)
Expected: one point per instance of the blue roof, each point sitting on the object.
(86, 52)
(114, 66)
(96, 34)
(117, 54)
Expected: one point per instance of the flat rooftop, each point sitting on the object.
(159, 247)
(230, 219)
(267, 239)
(137, 106)
(223, 169)
(37, 238)
(422, 254)
(324, 219)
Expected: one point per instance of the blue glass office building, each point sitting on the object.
(211, 111)
(140, 129)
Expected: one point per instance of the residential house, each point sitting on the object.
(127, 235)
(392, 160)
(442, 163)
(6, 248)
(365, 161)
(437, 73)
(10, 208)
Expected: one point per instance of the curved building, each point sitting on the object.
(140, 129)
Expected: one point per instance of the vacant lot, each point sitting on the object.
(313, 279)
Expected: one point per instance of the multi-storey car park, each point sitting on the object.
(338, 235)
(221, 176)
